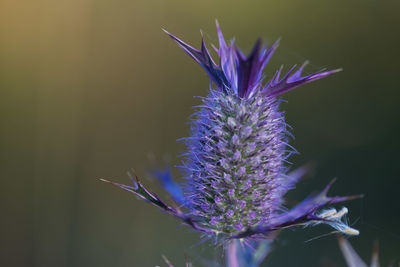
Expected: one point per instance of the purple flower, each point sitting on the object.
(235, 169)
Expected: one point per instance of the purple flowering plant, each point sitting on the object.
(236, 173)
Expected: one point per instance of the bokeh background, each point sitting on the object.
(92, 88)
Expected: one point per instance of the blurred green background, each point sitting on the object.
(92, 88)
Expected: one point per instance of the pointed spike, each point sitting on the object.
(351, 257)
(194, 53)
(203, 58)
(286, 77)
(269, 53)
(221, 39)
(298, 73)
(278, 74)
(256, 50)
(328, 186)
(164, 30)
(320, 75)
(239, 53)
(278, 88)
(375, 255)
(167, 261)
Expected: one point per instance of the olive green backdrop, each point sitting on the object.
(92, 88)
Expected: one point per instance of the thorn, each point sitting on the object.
(164, 30)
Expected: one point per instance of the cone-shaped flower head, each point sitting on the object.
(235, 162)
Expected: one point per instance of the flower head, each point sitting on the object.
(235, 166)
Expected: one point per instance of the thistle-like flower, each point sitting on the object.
(235, 165)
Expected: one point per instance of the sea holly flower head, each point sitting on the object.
(236, 162)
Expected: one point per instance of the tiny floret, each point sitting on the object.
(236, 173)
